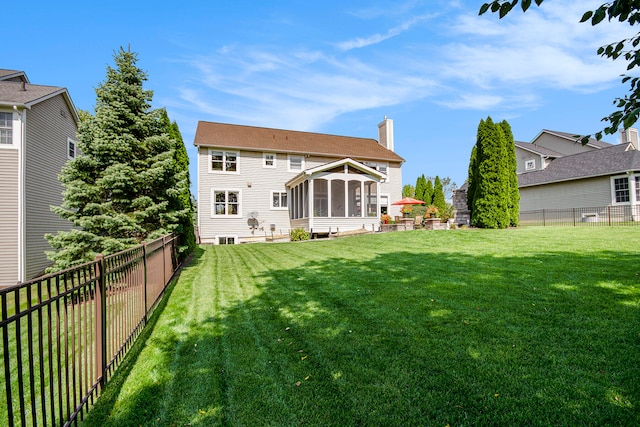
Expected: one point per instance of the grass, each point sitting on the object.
(534, 326)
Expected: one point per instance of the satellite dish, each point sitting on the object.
(253, 214)
(253, 223)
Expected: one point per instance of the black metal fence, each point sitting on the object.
(595, 216)
(64, 334)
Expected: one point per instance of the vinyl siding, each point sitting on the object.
(523, 156)
(561, 145)
(48, 125)
(572, 194)
(9, 217)
(256, 184)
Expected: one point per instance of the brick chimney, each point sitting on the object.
(385, 133)
(629, 135)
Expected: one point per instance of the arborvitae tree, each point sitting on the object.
(408, 190)
(512, 167)
(472, 179)
(438, 195)
(421, 186)
(428, 193)
(490, 200)
(119, 190)
(183, 200)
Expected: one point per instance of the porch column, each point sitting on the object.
(632, 197)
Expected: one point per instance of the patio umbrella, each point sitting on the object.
(408, 201)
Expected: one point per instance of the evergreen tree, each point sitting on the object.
(183, 199)
(438, 196)
(421, 186)
(472, 179)
(428, 193)
(490, 199)
(121, 188)
(512, 167)
(408, 191)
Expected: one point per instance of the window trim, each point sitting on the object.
(614, 199)
(226, 191)
(216, 241)
(225, 153)
(530, 168)
(14, 130)
(302, 162)
(75, 149)
(264, 160)
(278, 208)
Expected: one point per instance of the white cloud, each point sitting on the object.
(361, 42)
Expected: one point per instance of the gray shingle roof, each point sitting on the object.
(537, 149)
(612, 160)
(16, 93)
(13, 74)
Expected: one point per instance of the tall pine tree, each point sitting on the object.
(421, 186)
(428, 193)
(121, 189)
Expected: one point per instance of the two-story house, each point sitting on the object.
(556, 172)
(256, 183)
(38, 126)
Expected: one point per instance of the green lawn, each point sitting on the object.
(533, 326)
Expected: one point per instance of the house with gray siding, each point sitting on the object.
(556, 171)
(258, 183)
(38, 126)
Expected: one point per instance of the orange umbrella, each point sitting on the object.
(408, 201)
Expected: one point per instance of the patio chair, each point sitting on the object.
(418, 222)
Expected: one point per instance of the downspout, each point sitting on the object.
(22, 116)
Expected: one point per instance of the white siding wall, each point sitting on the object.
(574, 194)
(523, 156)
(8, 217)
(48, 126)
(257, 195)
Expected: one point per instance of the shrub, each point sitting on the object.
(298, 234)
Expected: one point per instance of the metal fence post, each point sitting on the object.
(144, 266)
(101, 320)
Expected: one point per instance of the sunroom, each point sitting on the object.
(339, 196)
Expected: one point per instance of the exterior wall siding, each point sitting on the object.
(48, 126)
(256, 184)
(523, 156)
(572, 194)
(561, 145)
(9, 159)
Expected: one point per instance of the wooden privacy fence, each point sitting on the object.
(64, 334)
(594, 216)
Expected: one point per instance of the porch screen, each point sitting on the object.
(320, 198)
(371, 195)
(355, 198)
(337, 198)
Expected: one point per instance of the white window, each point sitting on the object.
(268, 160)
(279, 200)
(226, 203)
(71, 149)
(223, 161)
(227, 240)
(530, 165)
(6, 128)
(621, 190)
(296, 163)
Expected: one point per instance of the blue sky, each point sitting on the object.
(337, 67)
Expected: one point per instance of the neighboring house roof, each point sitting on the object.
(574, 138)
(26, 95)
(536, 149)
(611, 160)
(287, 141)
(13, 75)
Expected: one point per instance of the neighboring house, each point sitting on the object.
(555, 171)
(256, 183)
(38, 127)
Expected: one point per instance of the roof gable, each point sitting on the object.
(612, 160)
(572, 137)
(13, 75)
(22, 94)
(287, 141)
(536, 149)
